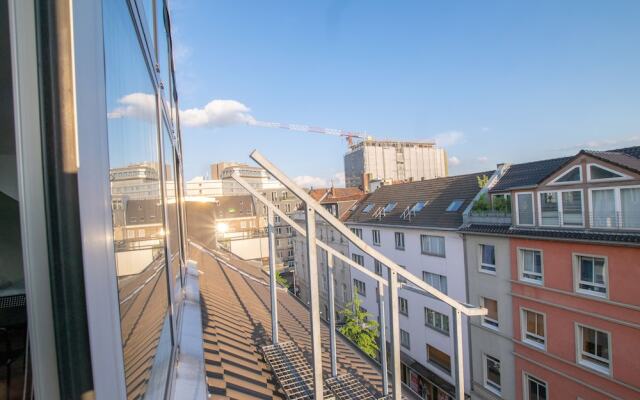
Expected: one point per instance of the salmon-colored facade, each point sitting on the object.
(565, 310)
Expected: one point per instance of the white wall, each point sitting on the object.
(452, 266)
(250, 249)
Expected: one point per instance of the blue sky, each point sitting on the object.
(505, 81)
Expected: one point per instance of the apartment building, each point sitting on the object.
(416, 224)
(393, 161)
(340, 202)
(561, 266)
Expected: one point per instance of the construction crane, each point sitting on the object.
(349, 135)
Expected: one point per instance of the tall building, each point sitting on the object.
(217, 168)
(393, 161)
(557, 270)
(416, 225)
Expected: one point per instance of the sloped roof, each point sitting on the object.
(332, 195)
(438, 192)
(532, 173)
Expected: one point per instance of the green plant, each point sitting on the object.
(282, 280)
(502, 204)
(482, 204)
(482, 181)
(359, 329)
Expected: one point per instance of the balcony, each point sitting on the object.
(488, 218)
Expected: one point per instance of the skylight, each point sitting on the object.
(455, 205)
(418, 206)
(368, 208)
(390, 206)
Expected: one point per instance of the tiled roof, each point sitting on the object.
(566, 234)
(531, 173)
(332, 195)
(236, 322)
(438, 192)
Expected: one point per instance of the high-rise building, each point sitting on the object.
(393, 161)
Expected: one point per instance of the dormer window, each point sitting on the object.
(390, 206)
(368, 208)
(455, 205)
(561, 208)
(599, 173)
(574, 175)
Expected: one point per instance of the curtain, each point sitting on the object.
(604, 208)
(630, 200)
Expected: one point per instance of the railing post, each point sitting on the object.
(314, 299)
(272, 276)
(332, 315)
(383, 339)
(395, 334)
(457, 349)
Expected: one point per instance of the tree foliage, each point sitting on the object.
(282, 280)
(359, 329)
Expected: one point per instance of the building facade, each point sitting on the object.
(416, 224)
(393, 161)
(564, 264)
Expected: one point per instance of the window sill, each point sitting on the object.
(537, 345)
(491, 326)
(493, 390)
(400, 248)
(591, 293)
(434, 255)
(488, 272)
(437, 330)
(532, 281)
(596, 368)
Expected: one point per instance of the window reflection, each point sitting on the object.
(138, 223)
(172, 213)
(163, 49)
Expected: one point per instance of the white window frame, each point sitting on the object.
(437, 316)
(533, 208)
(359, 256)
(489, 385)
(618, 202)
(576, 276)
(444, 246)
(561, 208)
(356, 284)
(524, 331)
(555, 181)
(623, 177)
(404, 334)
(401, 309)
(377, 264)
(482, 267)
(525, 385)
(357, 232)
(440, 276)
(375, 234)
(397, 235)
(521, 271)
(586, 363)
(490, 322)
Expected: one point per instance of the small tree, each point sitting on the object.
(482, 204)
(359, 329)
(482, 181)
(282, 280)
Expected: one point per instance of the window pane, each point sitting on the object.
(549, 208)
(572, 208)
(604, 208)
(172, 210)
(136, 193)
(571, 176)
(601, 173)
(525, 209)
(630, 201)
(163, 48)
(488, 255)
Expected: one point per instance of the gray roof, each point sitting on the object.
(532, 173)
(438, 192)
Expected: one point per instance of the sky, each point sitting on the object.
(491, 81)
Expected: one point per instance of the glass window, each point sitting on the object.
(573, 175)
(399, 236)
(534, 389)
(163, 48)
(405, 339)
(599, 173)
(603, 214)
(436, 320)
(525, 208)
(439, 358)
(418, 206)
(594, 348)
(492, 373)
(358, 258)
(378, 267)
(549, 211)
(437, 281)
(172, 210)
(455, 205)
(533, 329)
(357, 232)
(375, 236)
(404, 306)
(491, 319)
(361, 287)
(390, 206)
(488, 258)
(135, 167)
(591, 275)
(432, 245)
(531, 265)
(572, 208)
(368, 208)
(630, 203)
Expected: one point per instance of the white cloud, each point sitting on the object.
(601, 144)
(135, 105)
(338, 179)
(450, 138)
(308, 181)
(482, 159)
(454, 161)
(217, 113)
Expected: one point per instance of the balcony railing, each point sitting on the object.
(315, 386)
(613, 220)
(488, 217)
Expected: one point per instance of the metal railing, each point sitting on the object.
(313, 208)
(611, 220)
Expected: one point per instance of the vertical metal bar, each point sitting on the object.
(272, 275)
(395, 334)
(314, 298)
(332, 315)
(383, 340)
(457, 349)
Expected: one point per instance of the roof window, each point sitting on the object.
(390, 206)
(368, 208)
(455, 205)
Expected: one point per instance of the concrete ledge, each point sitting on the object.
(189, 379)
